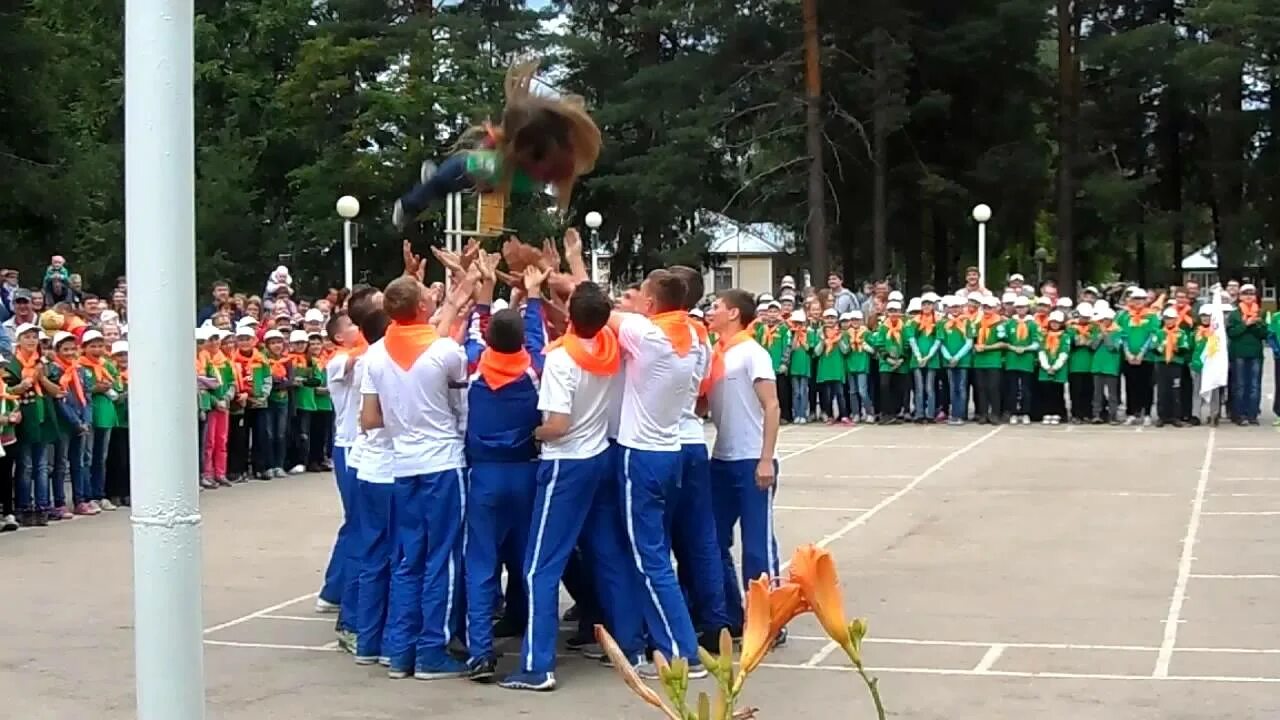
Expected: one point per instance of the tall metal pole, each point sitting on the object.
(595, 256)
(160, 249)
(982, 254)
(347, 268)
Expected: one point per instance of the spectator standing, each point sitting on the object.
(23, 311)
(221, 293)
(1246, 333)
(842, 299)
(8, 286)
(77, 290)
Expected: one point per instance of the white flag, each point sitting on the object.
(1216, 365)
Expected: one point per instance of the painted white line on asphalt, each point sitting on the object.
(849, 477)
(300, 618)
(259, 613)
(864, 517)
(1032, 675)
(1184, 563)
(989, 658)
(818, 509)
(1255, 478)
(1256, 513)
(331, 647)
(820, 443)
(817, 658)
(1236, 577)
(1249, 449)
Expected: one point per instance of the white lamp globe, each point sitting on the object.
(594, 220)
(348, 207)
(982, 212)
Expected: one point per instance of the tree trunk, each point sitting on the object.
(943, 265)
(1172, 118)
(880, 160)
(1067, 116)
(817, 226)
(1227, 138)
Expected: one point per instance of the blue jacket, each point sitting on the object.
(500, 423)
(72, 410)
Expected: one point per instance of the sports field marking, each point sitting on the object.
(1236, 577)
(1250, 449)
(1029, 675)
(259, 613)
(813, 508)
(818, 444)
(301, 618)
(331, 647)
(1245, 513)
(1184, 563)
(989, 658)
(848, 477)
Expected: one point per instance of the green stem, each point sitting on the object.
(873, 685)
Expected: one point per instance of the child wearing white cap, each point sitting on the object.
(799, 364)
(1022, 338)
(107, 387)
(1172, 345)
(989, 344)
(1052, 373)
(858, 367)
(117, 485)
(1199, 344)
(1108, 348)
(922, 339)
(891, 349)
(1138, 324)
(830, 371)
(1081, 337)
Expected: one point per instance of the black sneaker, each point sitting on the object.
(573, 614)
(505, 628)
(483, 670)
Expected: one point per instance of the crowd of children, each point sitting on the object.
(1014, 359)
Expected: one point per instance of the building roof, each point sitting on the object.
(1206, 258)
(727, 236)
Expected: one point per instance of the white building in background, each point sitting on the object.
(751, 256)
(1202, 266)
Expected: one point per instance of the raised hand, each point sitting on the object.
(533, 279)
(572, 243)
(550, 255)
(450, 260)
(413, 264)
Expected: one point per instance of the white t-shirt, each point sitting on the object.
(569, 390)
(423, 416)
(691, 432)
(344, 391)
(375, 457)
(734, 407)
(657, 387)
(616, 384)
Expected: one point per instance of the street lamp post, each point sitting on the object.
(1041, 257)
(594, 221)
(981, 214)
(348, 207)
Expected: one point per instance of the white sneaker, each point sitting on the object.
(1146, 421)
(297, 470)
(324, 607)
(1046, 420)
(1014, 419)
(106, 505)
(1130, 420)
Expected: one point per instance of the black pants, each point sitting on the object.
(784, 395)
(1137, 389)
(6, 481)
(987, 393)
(321, 427)
(1188, 389)
(118, 482)
(942, 391)
(1017, 392)
(1050, 398)
(893, 393)
(238, 432)
(299, 438)
(259, 456)
(1081, 395)
(1169, 391)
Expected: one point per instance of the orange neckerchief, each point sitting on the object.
(857, 337)
(1052, 341)
(244, 365)
(406, 343)
(971, 313)
(675, 325)
(926, 322)
(1022, 332)
(1170, 343)
(1084, 327)
(1137, 317)
(768, 333)
(830, 336)
(29, 365)
(501, 369)
(699, 330)
(99, 368)
(278, 365)
(893, 328)
(70, 381)
(989, 320)
(297, 359)
(800, 337)
(1248, 310)
(958, 322)
(716, 373)
(358, 347)
(603, 358)
(1042, 322)
(1184, 316)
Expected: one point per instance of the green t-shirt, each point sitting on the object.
(892, 347)
(923, 341)
(1199, 341)
(1080, 337)
(830, 357)
(105, 411)
(1244, 341)
(324, 403)
(957, 337)
(39, 424)
(1028, 341)
(1180, 341)
(986, 356)
(800, 363)
(858, 359)
(1108, 355)
(304, 395)
(1137, 335)
(1060, 353)
(485, 167)
(776, 339)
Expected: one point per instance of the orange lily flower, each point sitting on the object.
(623, 665)
(814, 570)
(768, 611)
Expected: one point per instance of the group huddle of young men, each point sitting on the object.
(465, 444)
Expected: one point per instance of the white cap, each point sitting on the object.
(499, 305)
(1043, 300)
(1085, 309)
(1022, 301)
(272, 335)
(1248, 287)
(787, 297)
(1008, 298)
(207, 323)
(1105, 313)
(846, 316)
(119, 346)
(1065, 302)
(204, 333)
(1101, 304)
(798, 316)
(896, 295)
(762, 307)
(26, 328)
(696, 312)
(61, 335)
(763, 298)
(1170, 313)
(1091, 289)
(1017, 277)
(43, 335)
(949, 301)
(893, 305)
(914, 305)
(830, 312)
(85, 339)
(930, 297)
(313, 315)
(298, 336)
(245, 331)
(855, 314)
(1207, 309)
(788, 282)
(1137, 293)
(774, 305)
(1057, 316)
(989, 301)
(247, 320)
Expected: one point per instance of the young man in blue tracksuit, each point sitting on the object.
(502, 415)
(658, 386)
(743, 400)
(575, 467)
(693, 538)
